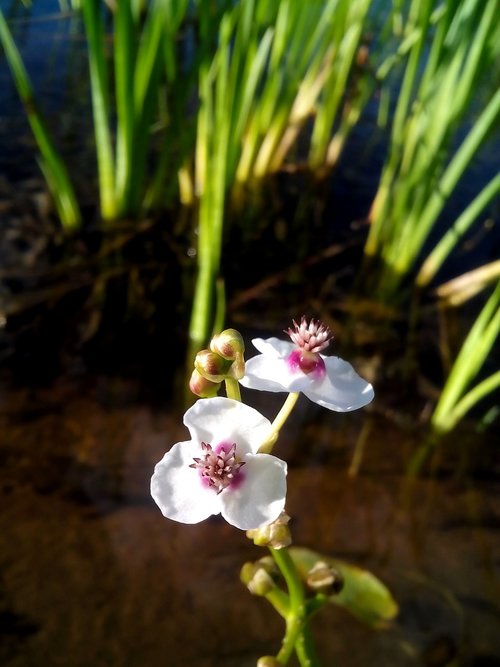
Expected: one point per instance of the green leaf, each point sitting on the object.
(363, 595)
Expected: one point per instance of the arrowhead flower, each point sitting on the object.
(298, 366)
(220, 470)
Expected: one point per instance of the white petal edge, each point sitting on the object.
(177, 489)
(261, 497)
(342, 389)
(216, 420)
(273, 346)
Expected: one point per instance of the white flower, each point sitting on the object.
(299, 367)
(219, 470)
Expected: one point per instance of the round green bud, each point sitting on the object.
(212, 366)
(202, 387)
(257, 579)
(229, 344)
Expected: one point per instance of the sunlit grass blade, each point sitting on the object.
(143, 56)
(211, 169)
(311, 59)
(99, 79)
(139, 107)
(125, 49)
(411, 240)
(349, 21)
(52, 165)
(175, 130)
(257, 92)
(457, 397)
(421, 173)
(442, 250)
(460, 289)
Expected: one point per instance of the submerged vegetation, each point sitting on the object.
(196, 106)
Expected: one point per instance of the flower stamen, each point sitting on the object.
(313, 336)
(218, 469)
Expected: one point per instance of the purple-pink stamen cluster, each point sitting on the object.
(219, 469)
(311, 337)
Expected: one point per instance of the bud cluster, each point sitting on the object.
(225, 359)
(275, 535)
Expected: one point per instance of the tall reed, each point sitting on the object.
(128, 68)
(51, 164)
(141, 40)
(276, 66)
(451, 49)
(458, 396)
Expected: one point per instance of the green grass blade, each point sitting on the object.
(471, 357)
(442, 250)
(124, 60)
(94, 28)
(476, 394)
(53, 167)
(420, 174)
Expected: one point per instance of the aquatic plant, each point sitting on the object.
(143, 40)
(227, 467)
(51, 164)
(276, 66)
(458, 397)
(124, 105)
(260, 71)
(449, 50)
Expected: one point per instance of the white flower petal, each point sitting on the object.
(342, 389)
(260, 498)
(265, 373)
(270, 373)
(273, 346)
(177, 489)
(217, 420)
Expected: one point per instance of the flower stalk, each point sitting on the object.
(226, 467)
(278, 422)
(296, 617)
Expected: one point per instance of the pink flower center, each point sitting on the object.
(307, 362)
(218, 468)
(310, 338)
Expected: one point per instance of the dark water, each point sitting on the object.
(53, 50)
(92, 574)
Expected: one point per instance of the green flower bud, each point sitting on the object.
(257, 579)
(276, 534)
(229, 345)
(212, 366)
(202, 387)
(323, 578)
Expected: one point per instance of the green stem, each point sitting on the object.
(285, 411)
(296, 635)
(278, 422)
(233, 389)
(306, 650)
